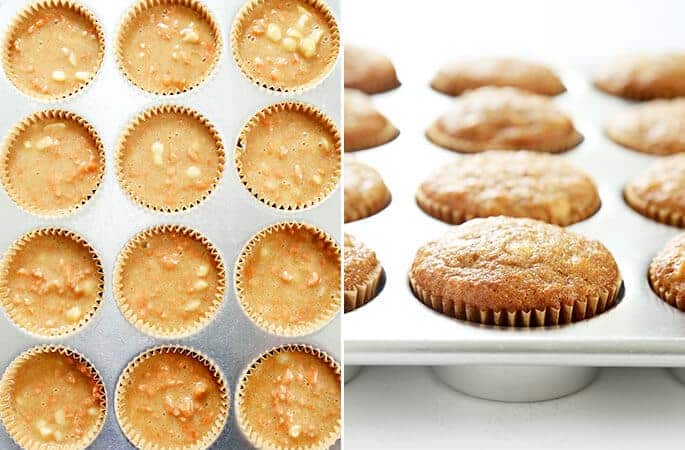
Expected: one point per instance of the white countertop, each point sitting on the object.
(391, 407)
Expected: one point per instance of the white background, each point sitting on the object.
(407, 407)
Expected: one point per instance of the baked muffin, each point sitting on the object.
(458, 76)
(288, 156)
(368, 70)
(169, 159)
(504, 183)
(169, 281)
(51, 282)
(285, 45)
(53, 49)
(659, 192)
(667, 272)
(52, 163)
(515, 272)
(365, 126)
(643, 76)
(52, 397)
(290, 398)
(172, 397)
(656, 127)
(504, 118)
(363, 273)
(168, 46)
(365, 192)
(287, 279)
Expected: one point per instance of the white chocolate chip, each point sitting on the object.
(189, 35)
(302, 20)
(289, 44)
(294, 430)
(54, 126)
(163, 26)
(282, 358)
(72, 59)
(294, 33)
(45, 142)
(60, 418)
(82, 75)
(157, 149)
(200, 285)
(92, 411)
(85, 287)
(43, 428)
(316, 35)
(202, 270)
(286, 276)
(73, 314)
(273, 32)
(193, 171)
(65, 51)
(307, 47)
(59, 436)
(192, 305)
(59, 75)
(142, 45)
(316, 178)
(298, 172)
(28, 144)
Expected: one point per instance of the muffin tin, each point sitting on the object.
(396, 328)
(229, 217)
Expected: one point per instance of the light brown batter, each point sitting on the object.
(168, 48)
(169, 279)
(55, 400)
(54, 163)
(171, 400)
(53, 51)
(289, 156)
(291, 399)
(170, 158)
(285, 44)
(53, 282)
(289, 280)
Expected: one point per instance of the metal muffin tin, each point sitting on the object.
(396, 328)
(229, 217)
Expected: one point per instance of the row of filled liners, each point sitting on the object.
(513, 255)
(170, 280)
(172, 396)
(54, 48)
(170, 158)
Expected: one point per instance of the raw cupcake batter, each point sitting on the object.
(53, 51)
(168, 48)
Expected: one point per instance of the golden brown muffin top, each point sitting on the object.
(656, 127)
(503, 263)
(644, 76)
(506, 118)
(368, 70)
(360, 261)
(668, 267)
(456, 77)
(364, 124)
(363, 184)
(661, 185)
(516, 184)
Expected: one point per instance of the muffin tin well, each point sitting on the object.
(228, 217)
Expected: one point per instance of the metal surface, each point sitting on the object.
(228, 218)
(396, 328)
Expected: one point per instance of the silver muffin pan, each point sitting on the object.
(229, 217)
(396, 328)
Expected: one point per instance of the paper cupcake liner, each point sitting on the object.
(8, 414)
(140, 120)
(11, 140)
(665, 292)
(388, 134)
(239, 26)
(24, 15)
(371, 207)
(567, 313)
(152, 329)
(254, 122)
(122, 384)
(277, 329)
(633, 91)
(244, 423)
(456, 216)
(438, 137)
(652, 211)
(140, 7)
(9, 307)
(360, 295)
